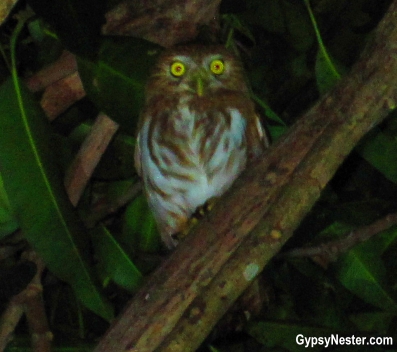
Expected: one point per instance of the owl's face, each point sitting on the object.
(196, 71)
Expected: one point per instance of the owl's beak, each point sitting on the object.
(200, 86)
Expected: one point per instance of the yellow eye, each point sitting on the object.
(177, 69)
(217, 67)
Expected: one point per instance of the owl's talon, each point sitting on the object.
(200, 212)
(188, 226)
(204, 209)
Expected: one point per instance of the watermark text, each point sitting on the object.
(336, 340)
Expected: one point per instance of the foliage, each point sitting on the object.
(294, 51)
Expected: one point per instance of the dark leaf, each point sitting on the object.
(76, 22)
(37, 196)
(114, 82)
(115, 261)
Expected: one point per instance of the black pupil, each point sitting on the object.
(217, 67)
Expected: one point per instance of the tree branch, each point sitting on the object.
(190, 292)
(86, 160)
(166, 22)
(5, 8)
(327, 252)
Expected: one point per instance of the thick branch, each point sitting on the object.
(166, 22)
(185, 297)
(5, 9)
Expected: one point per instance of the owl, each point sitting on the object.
(197, 132)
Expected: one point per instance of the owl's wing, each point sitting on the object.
(256, 137)
(137, 157)
(261, 132)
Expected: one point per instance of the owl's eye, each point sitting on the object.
(217, 67)
(177, 69)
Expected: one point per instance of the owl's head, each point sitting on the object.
(196, 70)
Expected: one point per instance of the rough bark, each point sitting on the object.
(87, 159)
(5, 8)
(166, 22)
(189, 293)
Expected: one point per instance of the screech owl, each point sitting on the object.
(197, 132)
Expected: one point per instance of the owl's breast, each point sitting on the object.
(190, 156)
(217, 149)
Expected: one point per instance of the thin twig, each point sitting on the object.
(329, 251)
(9, 320)
(62, 68)
(36, 316)
(29, 301)
(87, 158)
(60, 95)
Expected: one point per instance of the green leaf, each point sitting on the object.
(300, 68)
(8, 221)
(380, 150)
(116, 84)
(276, 132)
(334, 231)
(115, 260)
(268, 110)
(140, 226)
(326, 74)
(235, 23)
(37, 196)
(362, 272)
